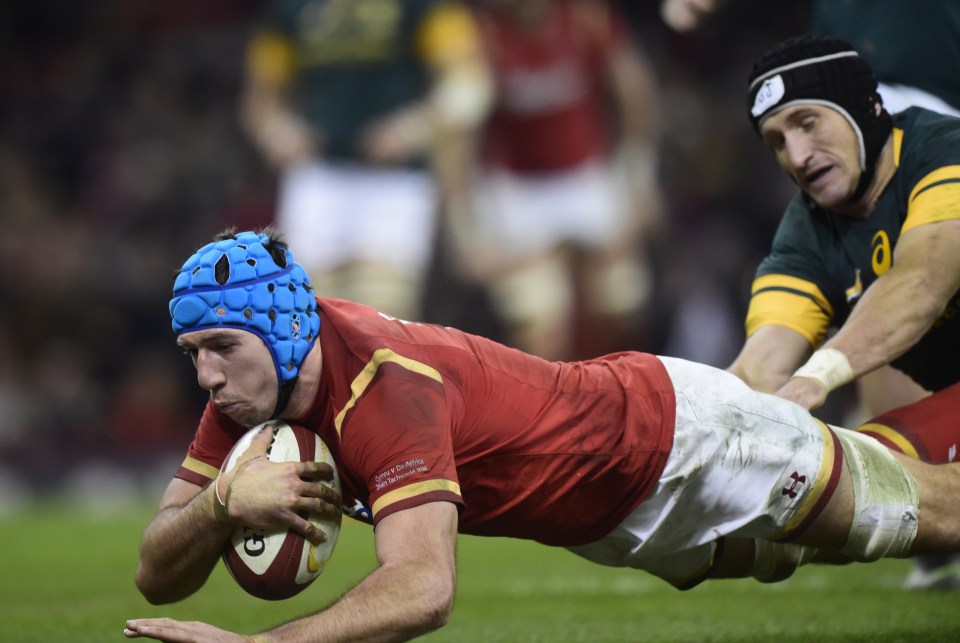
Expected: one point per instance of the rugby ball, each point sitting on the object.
(277, 564)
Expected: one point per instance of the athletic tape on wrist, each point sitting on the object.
(828, 366)
(220, 511)
(462, 97)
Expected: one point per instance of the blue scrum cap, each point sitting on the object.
(253, 293)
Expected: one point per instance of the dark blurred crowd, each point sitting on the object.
(121, 151)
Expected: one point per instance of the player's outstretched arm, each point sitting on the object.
(181, 544)
(769, 357)
(684, 16)
(282, 135)
(925, 275)
(895, 312)
(409, 594)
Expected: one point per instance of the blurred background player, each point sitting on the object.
(353, 100)
(567, 185)
(914, 51)
(868, 247)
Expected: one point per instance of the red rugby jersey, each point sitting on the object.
(552, 110)
(550, 451)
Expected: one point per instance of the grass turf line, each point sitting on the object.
(70, 577)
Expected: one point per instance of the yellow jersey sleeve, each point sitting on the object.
(935, 198)
(797, 304)
(449, 33)
(271, 58)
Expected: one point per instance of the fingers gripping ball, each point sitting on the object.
(277, 564)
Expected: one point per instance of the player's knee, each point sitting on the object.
(539, 291)
(620, 287)
(886, 500)
(387, 288)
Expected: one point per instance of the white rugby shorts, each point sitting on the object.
(335, 214)
(743, 464)
(524, 215)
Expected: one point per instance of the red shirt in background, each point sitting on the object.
(552, 111)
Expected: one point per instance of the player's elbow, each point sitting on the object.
(153, 594)
(435, 605)
(440, 609)
(156, 592)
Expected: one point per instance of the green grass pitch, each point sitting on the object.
(69, 577)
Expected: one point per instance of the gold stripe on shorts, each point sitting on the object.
(820, 492)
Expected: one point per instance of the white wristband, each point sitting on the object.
(829, 366)
(220, 511)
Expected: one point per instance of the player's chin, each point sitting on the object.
(827, 199)
(246, 416)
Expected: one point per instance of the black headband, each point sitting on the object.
(831, 78)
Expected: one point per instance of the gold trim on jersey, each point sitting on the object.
(200, 468)
(825, 481)
(271, 59)
(890, 434)
(935, 198)
(897, 145)
(413, 490)
(362, 381)
(449, 33)
(782, 300)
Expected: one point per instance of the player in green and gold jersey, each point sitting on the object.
(867, 247)
(914, 51)
(366, 108)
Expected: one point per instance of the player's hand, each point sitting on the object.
(397, 137)
(168, 629)
(686, 15)
(808, 392)
(261, 493)
(287, 140)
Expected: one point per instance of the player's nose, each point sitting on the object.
(209, 375)
(798, 151)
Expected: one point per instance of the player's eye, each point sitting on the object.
(775, 142)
